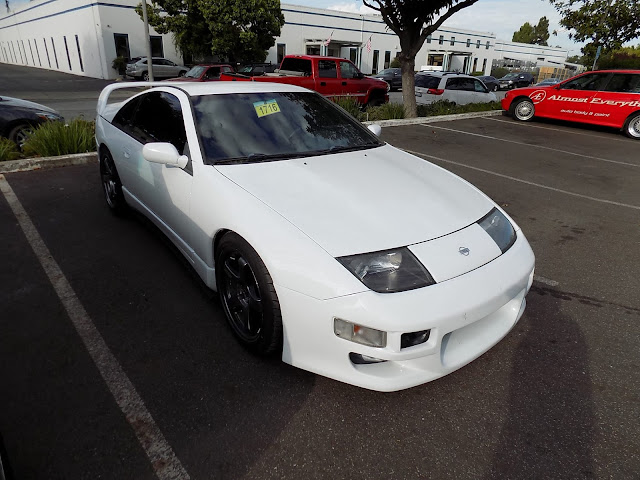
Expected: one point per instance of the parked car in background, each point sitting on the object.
(257, 69)
(18, 117)
(393, 76)
(492, 83)
(203, 73)
(609, 98)
(548, 81)
(268, 189)
(515, 80)
(453, 87)
(162, 68)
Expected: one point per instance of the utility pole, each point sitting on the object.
(147, 40)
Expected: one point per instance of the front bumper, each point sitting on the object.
(466, 315)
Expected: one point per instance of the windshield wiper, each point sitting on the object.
(343, 148)
(262, 157)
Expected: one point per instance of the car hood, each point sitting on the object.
(363, 201)
(17, 102)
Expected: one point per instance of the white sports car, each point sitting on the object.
(345, 255)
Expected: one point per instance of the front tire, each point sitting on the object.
(111, 184)
(20, 133)
(145, 76)
(632, 126)
(522, 110)
(248, 297)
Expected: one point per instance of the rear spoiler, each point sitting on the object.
(109, 89)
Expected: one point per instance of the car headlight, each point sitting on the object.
(499, 229)
(388, 271)
(48, 116)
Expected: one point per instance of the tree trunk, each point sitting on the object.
(409, 87)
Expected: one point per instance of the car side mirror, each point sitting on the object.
(360, 75)
(375, 129)
(164, 153)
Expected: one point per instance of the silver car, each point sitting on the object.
(162, 68)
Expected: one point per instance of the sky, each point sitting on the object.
(502, 17)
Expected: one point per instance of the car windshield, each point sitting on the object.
(195, 72)
(246, 69)
(255, 127)
(510, 75)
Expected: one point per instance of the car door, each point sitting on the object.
(212, 73)
(569, 100)
(481, 93)
(459, 90)
(328, 81)
(163, 190)
(351, 80)
(618, 99)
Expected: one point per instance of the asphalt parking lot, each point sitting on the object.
(557, 398)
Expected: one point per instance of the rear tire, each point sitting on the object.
(111, 184)
(248, 297)
(632, 126)
(20, 133)
(522, 109)
(145, 76)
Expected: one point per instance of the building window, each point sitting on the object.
(488, 44)
(46, 49)
(478, 44)
(55, 54)
(37, 51)
(428, 38)
(20, 52)
(484, 65)
(26, 60)
(121, 41)
(353, 54)
(33, 59)
(376, 58)
(475, 64)
(441, 40)
(281, 50)
(387, 59)
(453, 41)
(79, 54)
(541, 59)
(66, 47)
(157, 49)
(468, 42)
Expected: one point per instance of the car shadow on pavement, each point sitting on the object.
(549, 431)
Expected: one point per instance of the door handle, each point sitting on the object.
(323, 84)
(344, 83)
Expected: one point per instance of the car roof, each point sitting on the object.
(215, 88)
(446, 74)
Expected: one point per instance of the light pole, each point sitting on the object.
(147, 40)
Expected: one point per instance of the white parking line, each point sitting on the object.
(163, 460)
(546, 187)
(573, 132)
(546, 281)
(431, 125)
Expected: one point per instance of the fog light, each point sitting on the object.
(414, 338)
(359, 334)
(358, 359)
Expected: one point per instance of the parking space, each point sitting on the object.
(557, 398)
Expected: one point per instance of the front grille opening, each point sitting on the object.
(414, 338)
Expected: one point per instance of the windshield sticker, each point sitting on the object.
(268, 107)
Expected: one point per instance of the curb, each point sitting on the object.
(439, 118)
(38, 163)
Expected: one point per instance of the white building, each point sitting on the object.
(83, 38)
(542, 56)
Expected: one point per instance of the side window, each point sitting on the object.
(157, 61)
(624, 83)
(479, 87)
(347, 70)
(124, 116)
(226, 69)
(159, 119)
(456, 84)
(590, 81)
(327, 69)
(213, 72)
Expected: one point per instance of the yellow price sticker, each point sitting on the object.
(268, 107)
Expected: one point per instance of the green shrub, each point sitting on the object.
(351, 105)
(499, 72)
(8, 150)
(386, 111)
(56, 138)
(395, 63)
(444, 107)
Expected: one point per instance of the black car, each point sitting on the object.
(492, 83)
(257, 69)
(17, 117)
(393, 76)
(516, 80)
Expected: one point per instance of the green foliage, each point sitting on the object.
(119, 64)
(395, 63)
(627, 58)
(533, 34)
(444, 107)
(351, 105)
(56, 138)
(499, 72)
(235, 30)
(477, 74)
(8, 150)
(609, 23)
(413, 21)
(386, 111)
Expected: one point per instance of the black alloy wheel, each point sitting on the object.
(20, 133)
(111, 184)
(248, 296)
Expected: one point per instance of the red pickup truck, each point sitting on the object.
(330, 76)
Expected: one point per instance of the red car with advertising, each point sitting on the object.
(610, 98)
(204, 73)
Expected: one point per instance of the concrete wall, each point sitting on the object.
(524, 52)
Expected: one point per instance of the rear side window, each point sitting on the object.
(590, 81)
(427, 81)
(327, 69)
(624, 83)
(125, 114)
(460, 84)
(159, 119)
(297, 65)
